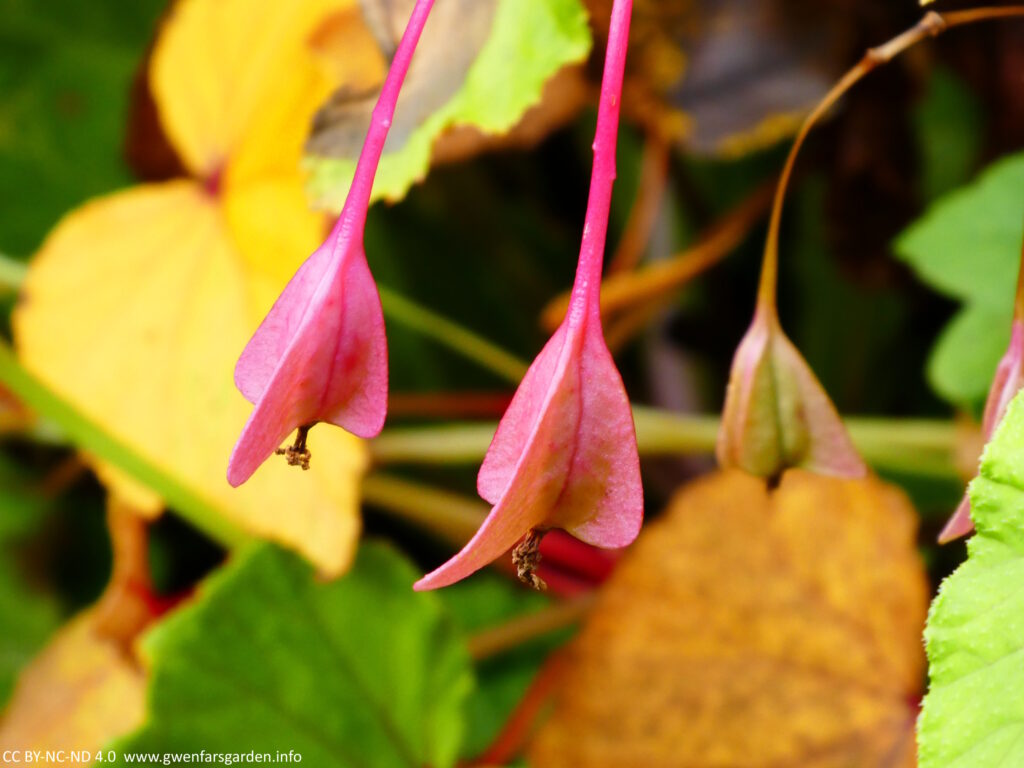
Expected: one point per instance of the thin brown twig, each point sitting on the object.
(653, 291)
(627, 290)
(931, 24)
(644, 213)
(123, 611)
(559, 615)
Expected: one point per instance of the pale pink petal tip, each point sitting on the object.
(960, 524)
(1006, 383)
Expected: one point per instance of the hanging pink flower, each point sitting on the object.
(321, 352)
(565, 454)
(1006, 384)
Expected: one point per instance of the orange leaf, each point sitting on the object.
(81, 692)
(753, 628)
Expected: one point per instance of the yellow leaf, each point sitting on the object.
(139, 303)
(81, 692)
(752, 628)
(136, 309)
(237, 81)
(347, 46)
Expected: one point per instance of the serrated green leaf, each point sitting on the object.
(530, 41)
(361, 671)
(967, 246)
(973, 714)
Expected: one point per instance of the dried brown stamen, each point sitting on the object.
(526, 559)
(297, 454)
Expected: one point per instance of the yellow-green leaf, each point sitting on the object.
(481, 63)
(135, 310)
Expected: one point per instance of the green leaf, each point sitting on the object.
(967, 351)
(484, 601)
(85, 434)
(27, 616)
(361, 671)
(974, 714)
(949, 131)
(65, 74)
(530, 40)
(967, 246)
(22, 504)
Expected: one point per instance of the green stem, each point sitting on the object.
(455, 337)
(916, 446)
(451, 443)
(89, 437)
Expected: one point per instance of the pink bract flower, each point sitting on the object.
(321, 352)
(565, 454)
(1006, 384)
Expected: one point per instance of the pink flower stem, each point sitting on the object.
(353, 215)
(586, 291)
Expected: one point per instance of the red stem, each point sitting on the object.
(586, 291)
(514, 734)
(353, 215)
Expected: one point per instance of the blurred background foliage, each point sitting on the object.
(490, 237)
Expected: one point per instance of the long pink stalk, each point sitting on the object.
(586, 293)
(321, 352)
(564, 455)
(1007, 382)
(358, 200)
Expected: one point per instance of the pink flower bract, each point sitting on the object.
(565, 454)
(320, 355)
(1005, 385)
(321, 352)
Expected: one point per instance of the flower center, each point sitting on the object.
(297, 454)
(526, 558)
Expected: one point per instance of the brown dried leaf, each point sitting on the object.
(436, 74)
(750, 628)
(726, 76)
(488, 74)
